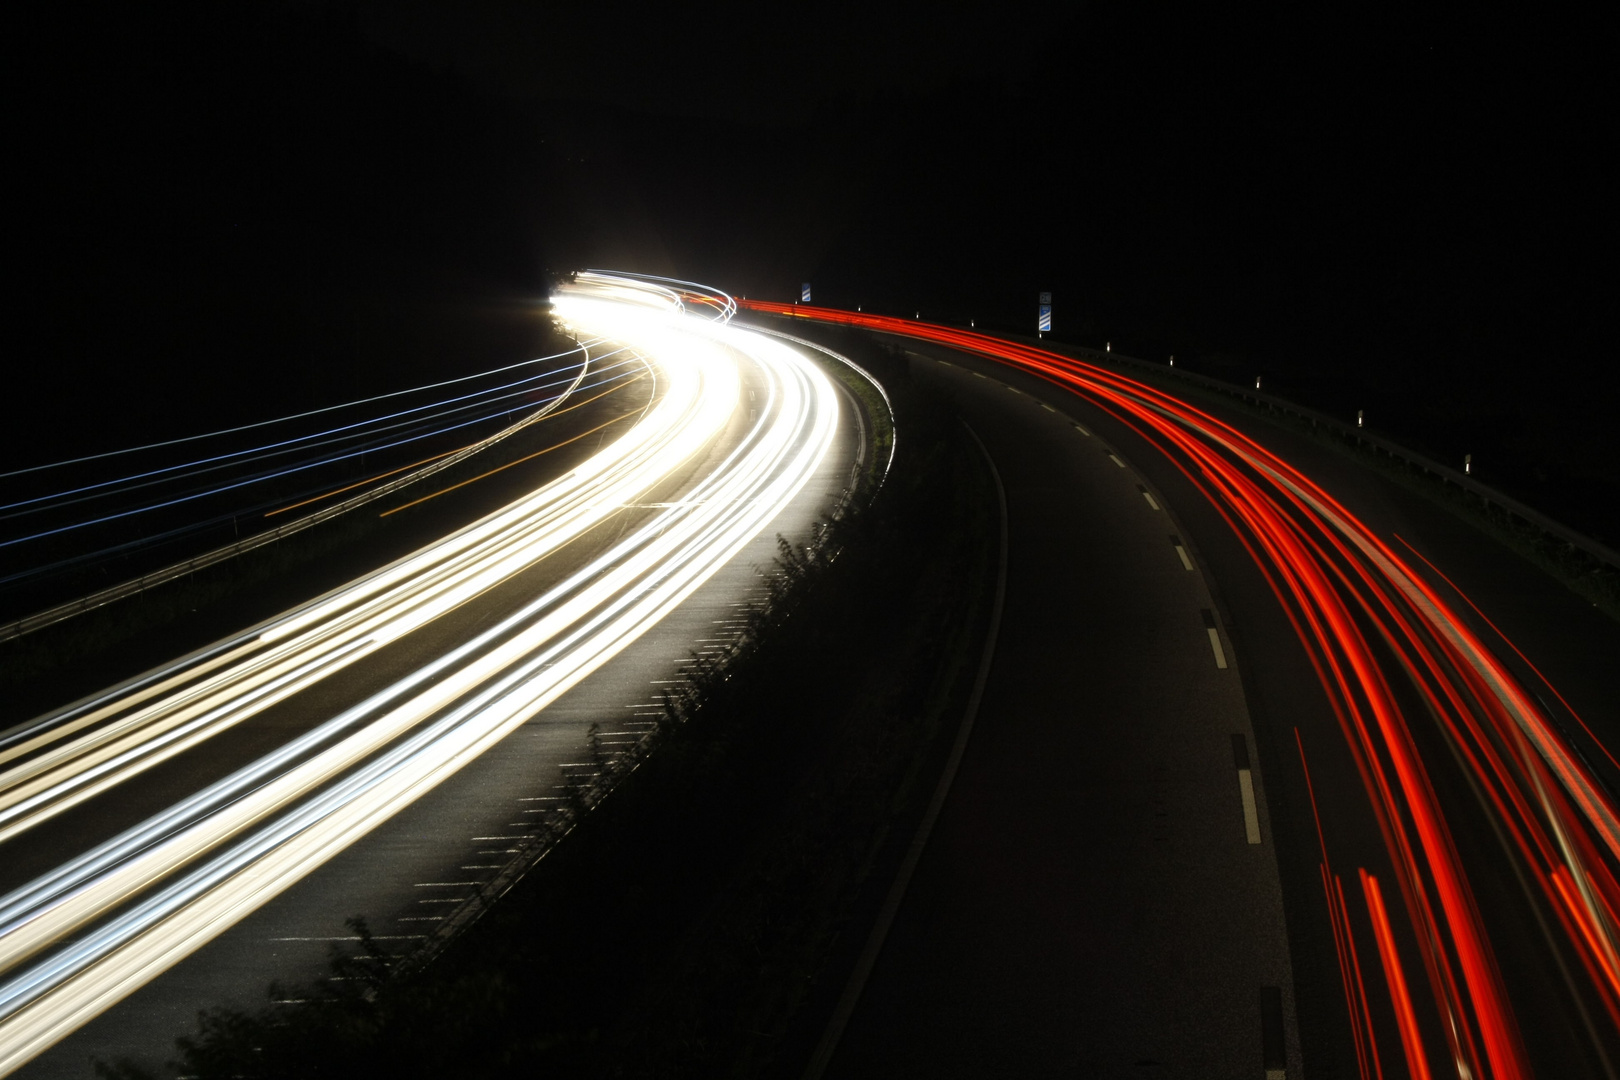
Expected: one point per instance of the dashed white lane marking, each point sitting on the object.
(443, 884)
(1214, 638)
(1081, 428)
(1251, 814)
(1047, 407)
(1116, 461)
(1251, 811)
(1015, 389)
(1175, 542)
(1148, 495)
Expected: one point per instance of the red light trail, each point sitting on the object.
(1355, 604)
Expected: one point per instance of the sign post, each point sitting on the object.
(804, 293)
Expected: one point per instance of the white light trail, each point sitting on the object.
(78, 939)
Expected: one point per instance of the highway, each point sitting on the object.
(147, 821)
(1312, 736)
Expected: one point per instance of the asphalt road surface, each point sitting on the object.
(1435, 824)
(1100, 895)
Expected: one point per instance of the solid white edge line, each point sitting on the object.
(908, 866)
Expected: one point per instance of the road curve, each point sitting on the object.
(1464, 834)
(128, 905)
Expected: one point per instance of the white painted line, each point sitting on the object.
(1116, 461)
(1015, 389)
(443, 884)
(444, 900)
(1047, 407)
(482, 866)
(1215, 644)
(980, 374)
(902, 879)
(1081, 428)
(1148, 495)
(1175, 542)
(1251, 813)
(421, 918)
(499, 838)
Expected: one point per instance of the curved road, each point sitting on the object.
(1433, 815)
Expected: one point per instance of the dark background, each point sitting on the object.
(220, 214)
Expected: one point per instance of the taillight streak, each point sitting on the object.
(1338, 582)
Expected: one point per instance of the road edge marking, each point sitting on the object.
(908, 866)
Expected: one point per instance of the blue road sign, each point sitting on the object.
(804, 293)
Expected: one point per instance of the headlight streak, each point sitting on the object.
(173, 882)
(368, 615)
(234, 485)
(1336, 580)
(295, 416)
(331, 436)
(429, 465)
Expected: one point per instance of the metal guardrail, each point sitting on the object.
(1598, 551)
(174, 571)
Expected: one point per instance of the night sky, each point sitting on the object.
(222, 214)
